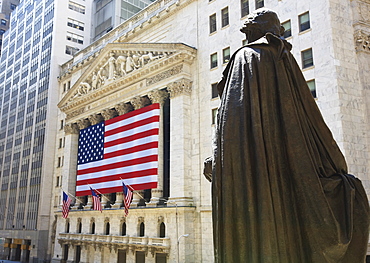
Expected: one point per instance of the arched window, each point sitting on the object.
(67, 227)
(107, 228)
(123, 231)
(142, 229)
(162, 230)
(92, 228)
(79, 228)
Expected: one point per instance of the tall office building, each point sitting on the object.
(6, 7)
(42, 35)
(110, 13)
(171, 55)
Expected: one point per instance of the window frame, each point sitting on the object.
(312, 90)
(258, 3)
(305, 59)
(287, 30)
(214, 90)
(213, 63)
(225, 21)
(212, 23)
(225, 58)
(305, 25)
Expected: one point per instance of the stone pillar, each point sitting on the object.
(140, 102)
(69, 171)
(108, 114)
(79, 202)
(84, 253)
(158, 96)
(89, 202)
(180, 142)
(71, 253)
(119, 200)
(95, 119)
(123, 108)
(13, 251)
(136, 198)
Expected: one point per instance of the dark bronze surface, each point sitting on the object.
(281, 192)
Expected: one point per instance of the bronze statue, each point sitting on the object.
(280, 187)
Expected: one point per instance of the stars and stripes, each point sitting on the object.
(127, 197)
(96, 201)
(66, 203)
(123, 147)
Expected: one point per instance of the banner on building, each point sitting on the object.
(122, 148)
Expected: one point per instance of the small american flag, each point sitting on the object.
(128, 197)
(66, 203)
(123, 147)
(96, 201)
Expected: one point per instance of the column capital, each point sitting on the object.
(182, 86)
(83, 123)
(95, 119)
(71, 128)
(109, 114)
(158, 96)
(123, 108)
(140, 102)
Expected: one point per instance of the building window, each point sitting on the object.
(61, 124)
(214, 90)
(2, 31)
(68, 84)
(107, 228)
(307, 58)
(244, 42)
(92, 228)
(225, 16)
(214, 116)
(304, 22)
(75, 38)
(288, 29)
(75, 24)
(214, 60)
(57, 184)
(142, 229)
(79, 228)
(71, 50)
(76, 7)
(67, 227)
(3, 22)
(244, 6)
(60, 142)
(162, 230)
(312, 85)
(259, 4)
(12, 6)
(123, 230)
(212, 23)
(225, 55)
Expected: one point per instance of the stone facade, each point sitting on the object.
(162, 55)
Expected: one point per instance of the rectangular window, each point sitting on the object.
(2, 31)
(75, 24)
(288, 29)
(214, 90)
(244, 42)
(304, 22)
(61, 124)
(225, 55)
(75, 38)
(60, 142)
(307, 58)
(76, 7)
(68, 84)
(59, 161)
(225, 16)
(259, 4)
(312, 85)
(244, 6)
(3, 22)
(212, 23)
(214, 60)
(71, 51)
(12, 6)
(214, 116)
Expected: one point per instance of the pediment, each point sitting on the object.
(122, 64)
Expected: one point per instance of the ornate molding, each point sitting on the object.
(123, 108)
(164, 75)
(71, 128)
(362, 41)
(180, 87)
(75, 113)
(158, 96)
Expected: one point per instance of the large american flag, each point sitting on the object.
(66, 203)
(125, 147)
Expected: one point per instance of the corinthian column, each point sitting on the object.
(180, 142)
(158, 96)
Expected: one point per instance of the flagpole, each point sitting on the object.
(100, 193)
(73, 197)
(132, 189)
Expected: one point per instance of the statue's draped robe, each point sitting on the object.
(281, 192)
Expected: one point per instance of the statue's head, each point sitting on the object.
(260, 22)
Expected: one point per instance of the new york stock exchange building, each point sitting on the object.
(154, 78)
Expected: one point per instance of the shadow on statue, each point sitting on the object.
(281, 192)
